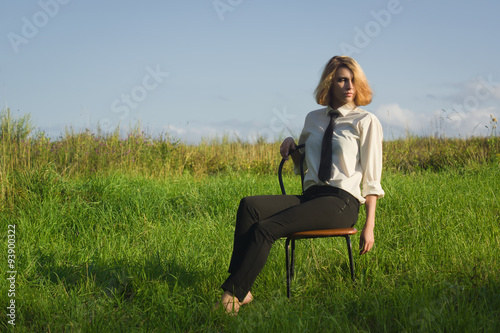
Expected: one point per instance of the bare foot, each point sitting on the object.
(248, 298)
(230, 303)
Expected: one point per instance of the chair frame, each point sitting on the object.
(290, 259)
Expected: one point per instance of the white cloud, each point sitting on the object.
(472, 103)
(279, 123)
(398, 122)
(248, 131)
(480, 92)
(496, 92)
(464, 123)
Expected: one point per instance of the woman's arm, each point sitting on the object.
(367, 238)
(371, 163)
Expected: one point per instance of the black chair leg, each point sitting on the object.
(351, 259)
(290, 262)
(288, 278)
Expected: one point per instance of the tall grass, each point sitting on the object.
(78, 154)
(134, 234)
(116, 253)
(429, 153)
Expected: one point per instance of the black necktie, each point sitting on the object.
(325, 165)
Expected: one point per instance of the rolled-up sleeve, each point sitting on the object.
(371, 137)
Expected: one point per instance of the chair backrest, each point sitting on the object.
(280, 170)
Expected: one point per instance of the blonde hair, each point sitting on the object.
(363, 91)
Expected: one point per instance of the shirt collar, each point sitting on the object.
(343, 110)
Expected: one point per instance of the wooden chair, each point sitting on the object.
(290, 260)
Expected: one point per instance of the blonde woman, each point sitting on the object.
(343, 167)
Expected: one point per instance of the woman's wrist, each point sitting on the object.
(369, 225)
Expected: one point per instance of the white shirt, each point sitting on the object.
(356, 148)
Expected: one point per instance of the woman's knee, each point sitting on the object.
(246, 202)
(247, 214)
(247, 205)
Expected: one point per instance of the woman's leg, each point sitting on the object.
(250, 211)
(320, 213)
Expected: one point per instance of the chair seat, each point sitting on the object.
(323, 233)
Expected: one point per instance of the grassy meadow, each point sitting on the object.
(135, 235)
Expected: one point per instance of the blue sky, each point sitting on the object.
(202, 68)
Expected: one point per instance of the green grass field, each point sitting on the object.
(117, 253)
(110, 234)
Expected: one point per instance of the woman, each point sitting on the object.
(349, 177)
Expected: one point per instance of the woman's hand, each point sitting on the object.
(288, 145)
(366, 240)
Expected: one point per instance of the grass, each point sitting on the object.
(126, 253)
(135, 234)
(87, 153)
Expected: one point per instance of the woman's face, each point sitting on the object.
(342, 88)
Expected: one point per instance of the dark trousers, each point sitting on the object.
(261, 220)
